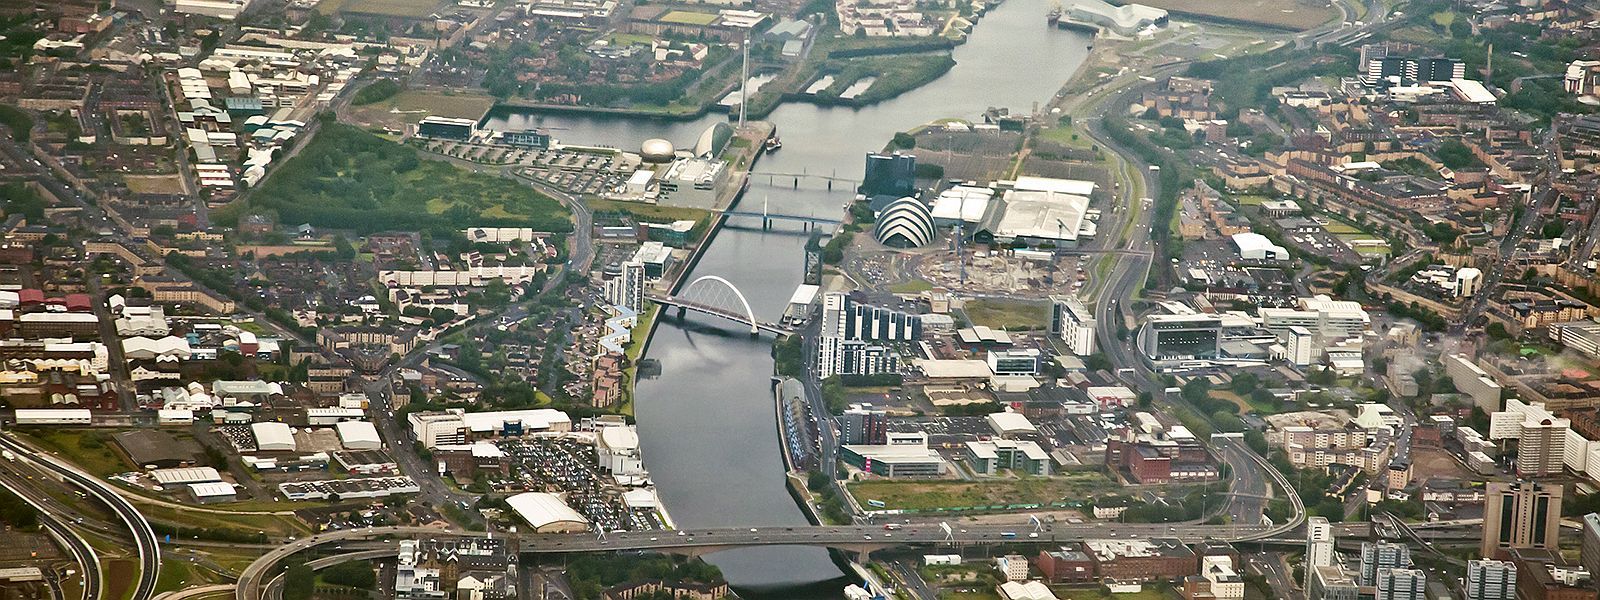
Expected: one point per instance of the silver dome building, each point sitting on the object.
(904, 223)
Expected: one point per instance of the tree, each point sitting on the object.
(356, 574)
(299, 581)
(904, 140)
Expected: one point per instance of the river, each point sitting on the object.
(707, 423)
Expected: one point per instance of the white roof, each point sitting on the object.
(619, 438)
(211, 490)
(540, 509)
(967, 204)
(536, 419)
(175, 414)
(357, 433)
(185, 475)
(1473, 91)
(272, 434)
(1060, 186)
(805, 293)
(1009, 422)
(1032, 590)
(1250, 240)
(939, 369)
(53, 413)
(1044, 214)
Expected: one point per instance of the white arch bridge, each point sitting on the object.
(715, 296)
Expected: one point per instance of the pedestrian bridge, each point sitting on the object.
(715, 296)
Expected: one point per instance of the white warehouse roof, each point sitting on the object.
(215, 489)
(272, 436)
(185, 475)
(1254, 246)
(547, 513)
(1006, 423)
(358, 435)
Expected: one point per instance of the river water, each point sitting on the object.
(707, 424)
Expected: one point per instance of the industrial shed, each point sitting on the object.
(358, 435)
(547, 513)
(153, 449)
(206, 493)
(186, 475)
(273, 437)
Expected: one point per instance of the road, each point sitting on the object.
(54, 518)
(859, 538)
(144, 538)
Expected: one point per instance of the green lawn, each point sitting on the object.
(689, 17)
(391, 8)
(916, 286)
(927, 495)
(1010, 315)
(1066, 135)
(1150, 592)
(92, 450)
(349, 179)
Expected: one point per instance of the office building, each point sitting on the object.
(1071, 321)
(988, 457)
(447, 128)
(863, 425)
(1014, 362)
(1491, 580)
(1379, 555)
(1331, 583)
(1325, 317)
(890, 175)
(903, 455)
(1522, 514)
(1319, 547)
(1591, 542)
(528, 138)
(1401, 584)
(1167, 338)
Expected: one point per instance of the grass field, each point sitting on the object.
(349, 179)
(410, 106)
(911, 287)
(1008, 314)
(154, 184)
(689, 18)
(391, 8)
(1284, 14)
(94, 451)
(1148, 593)
(926, 495)
(1066, 135)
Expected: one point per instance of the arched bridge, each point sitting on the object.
(715, 296)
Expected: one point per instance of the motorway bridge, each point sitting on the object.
(863, 539)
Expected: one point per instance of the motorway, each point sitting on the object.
(54, 517)
(858, 538)
(144, 537)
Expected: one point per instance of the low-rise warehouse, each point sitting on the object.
(273, 437)
(185, 475)
(358, 435)
(346, 489)
(207, 493)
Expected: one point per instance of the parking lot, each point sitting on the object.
(568, 466)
